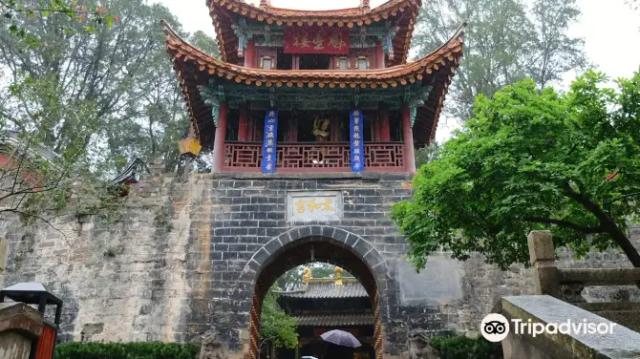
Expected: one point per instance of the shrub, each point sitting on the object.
(459, 347)
(151, 350)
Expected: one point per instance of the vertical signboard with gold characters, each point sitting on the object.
(356, 131)
(269, 143)
(305, 207)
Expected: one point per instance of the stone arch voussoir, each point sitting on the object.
(357, 244)
(360, 250)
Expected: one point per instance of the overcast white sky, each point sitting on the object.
(610, 28)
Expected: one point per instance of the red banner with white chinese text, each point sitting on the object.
(316, 40)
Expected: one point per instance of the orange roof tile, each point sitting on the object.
(447, 55)
(403, 11)
(352, 15)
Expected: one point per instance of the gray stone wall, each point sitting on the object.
(136, 276)
(180, 257)
(250, 211)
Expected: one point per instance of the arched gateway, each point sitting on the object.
(313, 118)
(325, 244)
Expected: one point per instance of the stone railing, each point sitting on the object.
(614, 341)
(327, 157)
(568, 283)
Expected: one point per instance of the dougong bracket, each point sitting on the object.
(213, 95)
(244, 34)
(415, 98)
(387, 40)
(272, 97)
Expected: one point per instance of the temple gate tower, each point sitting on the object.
(313, 118)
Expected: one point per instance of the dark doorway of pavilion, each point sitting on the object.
(314, 62)
(318, 285)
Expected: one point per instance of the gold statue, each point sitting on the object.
(338, 277)
(321, 129)
(307, 275)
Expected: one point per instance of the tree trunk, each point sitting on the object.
(607, 223)
(624, 243)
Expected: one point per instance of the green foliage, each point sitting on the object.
(277, 327)
(459, 347)
(14, 13)
(90, 83)
(205, 43)
(505, 41)
(532, 159)
(126, 351)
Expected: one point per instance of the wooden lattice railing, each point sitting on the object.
(243, 154)
(328, 156)
(384, 154)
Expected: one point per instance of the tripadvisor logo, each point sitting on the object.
(495, 327)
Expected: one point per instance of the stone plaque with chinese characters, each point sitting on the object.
(304, 207)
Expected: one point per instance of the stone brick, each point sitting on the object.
(273, 246)
(316, 231)
(261, 256)
(340, 235)
(351, 240)
(305, 232)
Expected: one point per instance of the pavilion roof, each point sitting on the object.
(335, 320)
(195, 67)
(402, 12)
(327, 289)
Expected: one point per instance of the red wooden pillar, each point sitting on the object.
(221, 134)
(379, 55)
(243, 124)
(250, 54)
(384, 129)
(409, 151)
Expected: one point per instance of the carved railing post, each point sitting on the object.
(542, 257)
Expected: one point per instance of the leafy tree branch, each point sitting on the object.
(530, 159)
